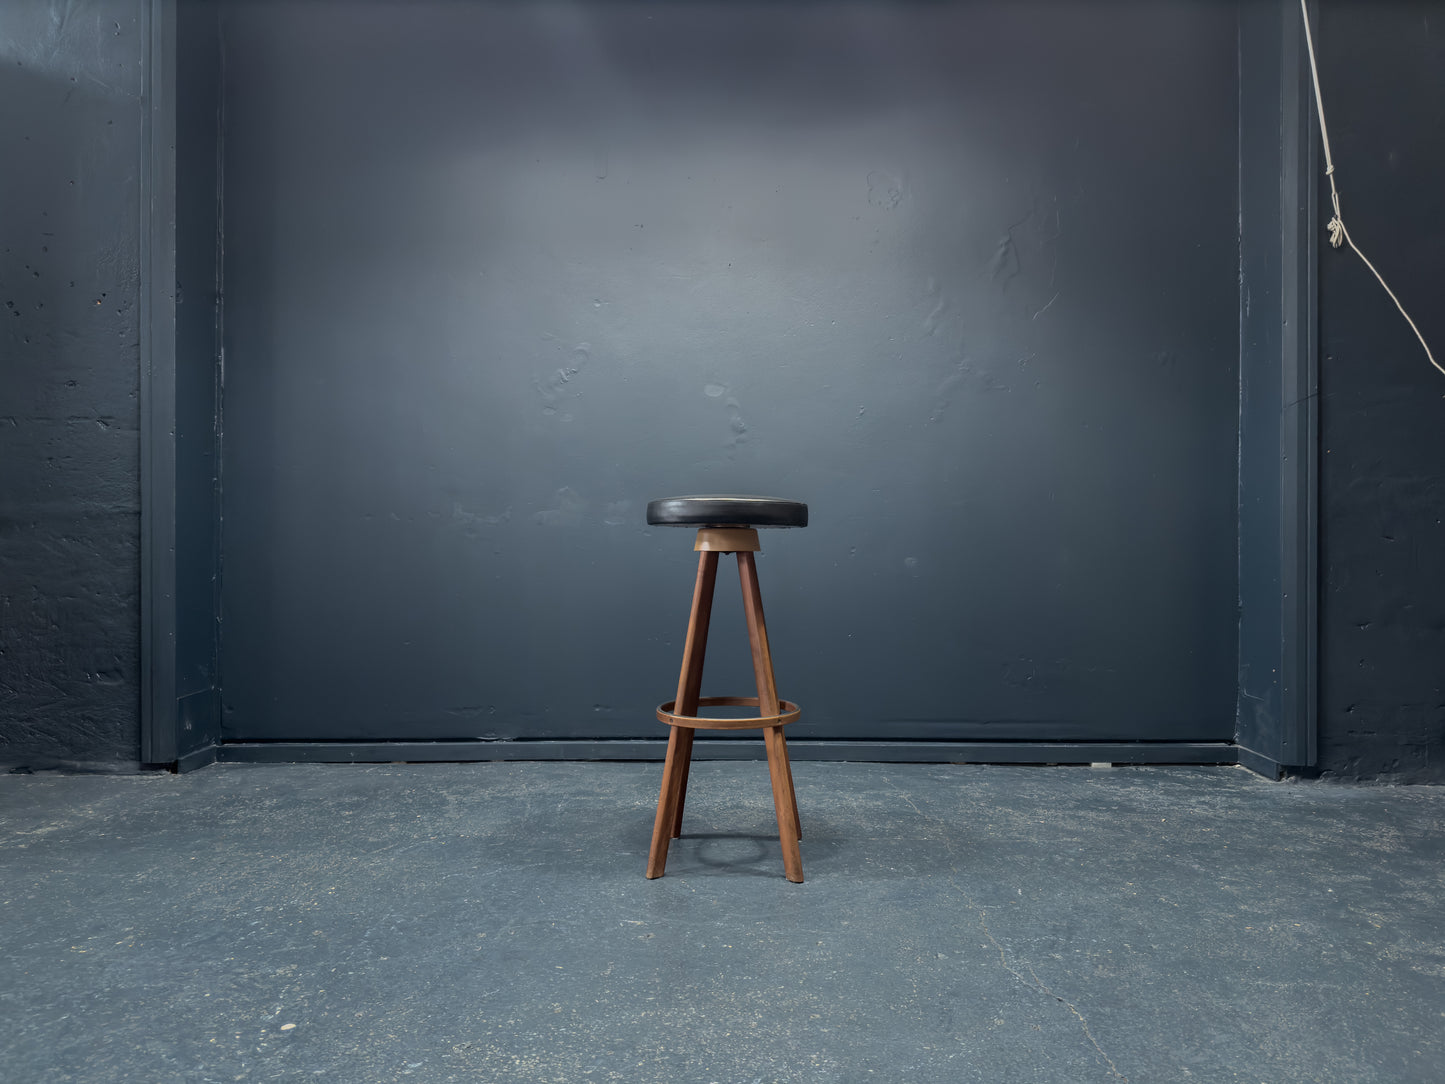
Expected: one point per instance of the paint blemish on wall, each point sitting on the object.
(1005, 262)
(1048, 305)
(940, 308)
(1033, 233)
(556, 388)
(966, 378)
(566, 511)
(884, 189)
(737, 425)
(472, 522)
(1021, 673)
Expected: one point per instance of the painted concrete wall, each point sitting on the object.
(69, 610)
(1382, 645)
(70, 130)
(963, 277)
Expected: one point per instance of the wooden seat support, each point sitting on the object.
(681, 713)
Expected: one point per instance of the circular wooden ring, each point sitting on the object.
(788, 713)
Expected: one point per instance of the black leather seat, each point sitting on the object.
(726, 511)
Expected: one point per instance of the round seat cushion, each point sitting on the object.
(726, 511)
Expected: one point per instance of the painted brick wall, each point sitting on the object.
(1382, 646)
(70, 129)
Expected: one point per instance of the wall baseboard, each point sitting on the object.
(921, 752)
(200, 758)
(1258, 763)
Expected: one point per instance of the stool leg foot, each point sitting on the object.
(684, 756)
(784, 802)
(667, 805)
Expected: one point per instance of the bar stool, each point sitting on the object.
(726, 525)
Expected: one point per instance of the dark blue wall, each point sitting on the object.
(963, 277)
(70, 111)
(71, 79)
(1383, 415)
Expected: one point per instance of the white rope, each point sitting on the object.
(1338, 234)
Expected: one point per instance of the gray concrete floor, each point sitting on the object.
(490, 922)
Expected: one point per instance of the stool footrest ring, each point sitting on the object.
(788, 713)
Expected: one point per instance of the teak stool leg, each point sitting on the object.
(785, 801)
(679, 743)
(783, 741)
(689, 679)
(684, 757)
(667, 806)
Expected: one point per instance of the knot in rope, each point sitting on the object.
(1338, 234)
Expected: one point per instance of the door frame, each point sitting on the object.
(180, 695)
(1277, 706)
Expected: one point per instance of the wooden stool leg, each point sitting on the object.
(758, 636)
(673, 795)
(667, 803)
(784, 800)
(684, 756)
(783, 741)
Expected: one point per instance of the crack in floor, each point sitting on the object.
(1037, 983)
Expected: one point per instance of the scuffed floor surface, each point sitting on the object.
(490, 922)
